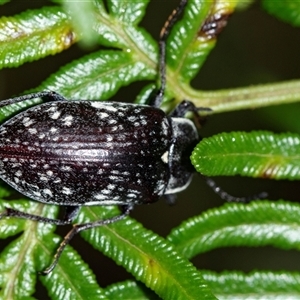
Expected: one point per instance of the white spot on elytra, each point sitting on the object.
(66, 190)
(18, 173)
(132, 195)
(100, 196)
(112, 121)
(106, 192)
(67, 120)
(53, 129)
(66, 168)
(98, 104)
(43, 178)
(27, 121)
(37, 193)
(132, 118)
(47, 192)
(49, 173)
(111, 186)
(103, 115)
(32, 130)
(55, 115)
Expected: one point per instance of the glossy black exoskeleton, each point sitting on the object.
(75, 153)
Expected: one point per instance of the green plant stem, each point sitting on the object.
(242, 98)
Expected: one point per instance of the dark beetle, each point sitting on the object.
(74, 153)
(96, 153)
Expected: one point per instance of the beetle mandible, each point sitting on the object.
(75, 153)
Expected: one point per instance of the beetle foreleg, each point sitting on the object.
(80, 227)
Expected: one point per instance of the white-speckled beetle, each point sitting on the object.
(75, 153)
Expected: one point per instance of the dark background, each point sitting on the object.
(254, 48)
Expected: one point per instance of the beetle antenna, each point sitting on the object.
(229, 198)
(162, 51)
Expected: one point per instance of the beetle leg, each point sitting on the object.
(10, 212)
(80, 227)
(45, 95)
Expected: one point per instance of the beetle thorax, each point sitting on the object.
(184, 138)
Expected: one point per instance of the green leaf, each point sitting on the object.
(17, 266)
(258, 285)
(83, 19)
(34, 34)
(96, 76)
(18, 277)
(100, 74)
(256, 154)
(72, 279)
(115, 29)
(148, 92)
(259, 223)
(147, 256)
(129, 290)
(9, 226)
(32, 251)
(184, 49)
(128, 11)
(189, 44)
(244, 4)
(288, 10)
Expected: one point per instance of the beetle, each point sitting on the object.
(76, 153)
